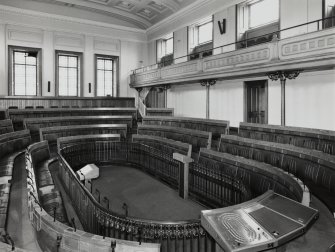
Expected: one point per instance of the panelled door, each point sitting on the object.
(256, 101)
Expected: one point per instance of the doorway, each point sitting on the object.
(256, 101)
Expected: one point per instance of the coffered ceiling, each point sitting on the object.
(140, 13)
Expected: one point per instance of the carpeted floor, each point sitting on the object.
(146, 197)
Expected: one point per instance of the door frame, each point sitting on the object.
(245, 99)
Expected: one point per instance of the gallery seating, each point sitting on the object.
(196, 138)
(159, 111)
(34, 124)
(317, 139)
(6, 126)
(167, 146)
(11, 146)
(18, 115)
(50, 197)
(52, 133)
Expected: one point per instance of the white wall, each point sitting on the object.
(274, 102)
(227, 102)
(187, 100)
(32, 29)
(310, 100)
(230, 36)
(180, 44)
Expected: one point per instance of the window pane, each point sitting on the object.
(108, 82)
(100, 83)
(206, 33)
(62, 81)
(100, 64)
(31, 80)
(169, 46)
(108, 64)
(20, 80)
(62, 61)
(72, 82)
(73, 61)
(31, 60)
(264, 12)
(19, 57)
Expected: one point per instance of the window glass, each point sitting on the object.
(169, 46)
(68, 79)
(24, 75)
(106, 84)
(263, 12)
(205, 32)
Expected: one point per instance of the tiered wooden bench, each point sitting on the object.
(159, 111)
(63, 142)
(50, 197)
(322, 140)
(216, 127)
(52, 133)
(259, 177)
(196, 138)
(18, 115)
(34, 124)
(6, 126)
(11, 145)
(314, 168)
(167, 146)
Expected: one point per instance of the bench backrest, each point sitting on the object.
(159, 111)
(14, 141)
(259, 177)
(216, 127)
(63, 142)
(196, 138)
(322, 140)
(39, 152)
(52, 133)
(167, 146)
(304, 163)
(6, 126)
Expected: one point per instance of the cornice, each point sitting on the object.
(68, 19)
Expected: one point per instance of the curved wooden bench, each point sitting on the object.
(259, 177)
(6, 126)
(165, 145)
(322, 140)
(216, 127)
(196, 138)
(159, 111)
(34, 124)
(63, 142)
(11, 145)
(50, 197)
(52, 133)
(18, 115)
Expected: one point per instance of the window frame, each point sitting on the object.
(198, 34)
(116, 89)
(253, 2)
(161, 47)
(79, 72)
(11, 84)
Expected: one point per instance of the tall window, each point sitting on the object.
(255, 19)
(329, 11)
(24, 71)
(165, 50)
(205, 32)
(68, 73)
(106, 75)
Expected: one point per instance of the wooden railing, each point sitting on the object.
(173, 236)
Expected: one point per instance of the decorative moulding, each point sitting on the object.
(25, 35)
(69, 40)
(107, 45)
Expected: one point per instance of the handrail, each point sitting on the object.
(159, 65)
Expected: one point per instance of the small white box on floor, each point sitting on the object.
(90, 171)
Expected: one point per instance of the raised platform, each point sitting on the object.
(266, 222)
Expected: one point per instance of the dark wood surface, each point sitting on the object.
(47, 102)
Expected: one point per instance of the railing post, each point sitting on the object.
(183, 173)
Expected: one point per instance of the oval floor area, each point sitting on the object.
(146, 197)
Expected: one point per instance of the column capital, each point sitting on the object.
(283, 75)
(207, 82)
